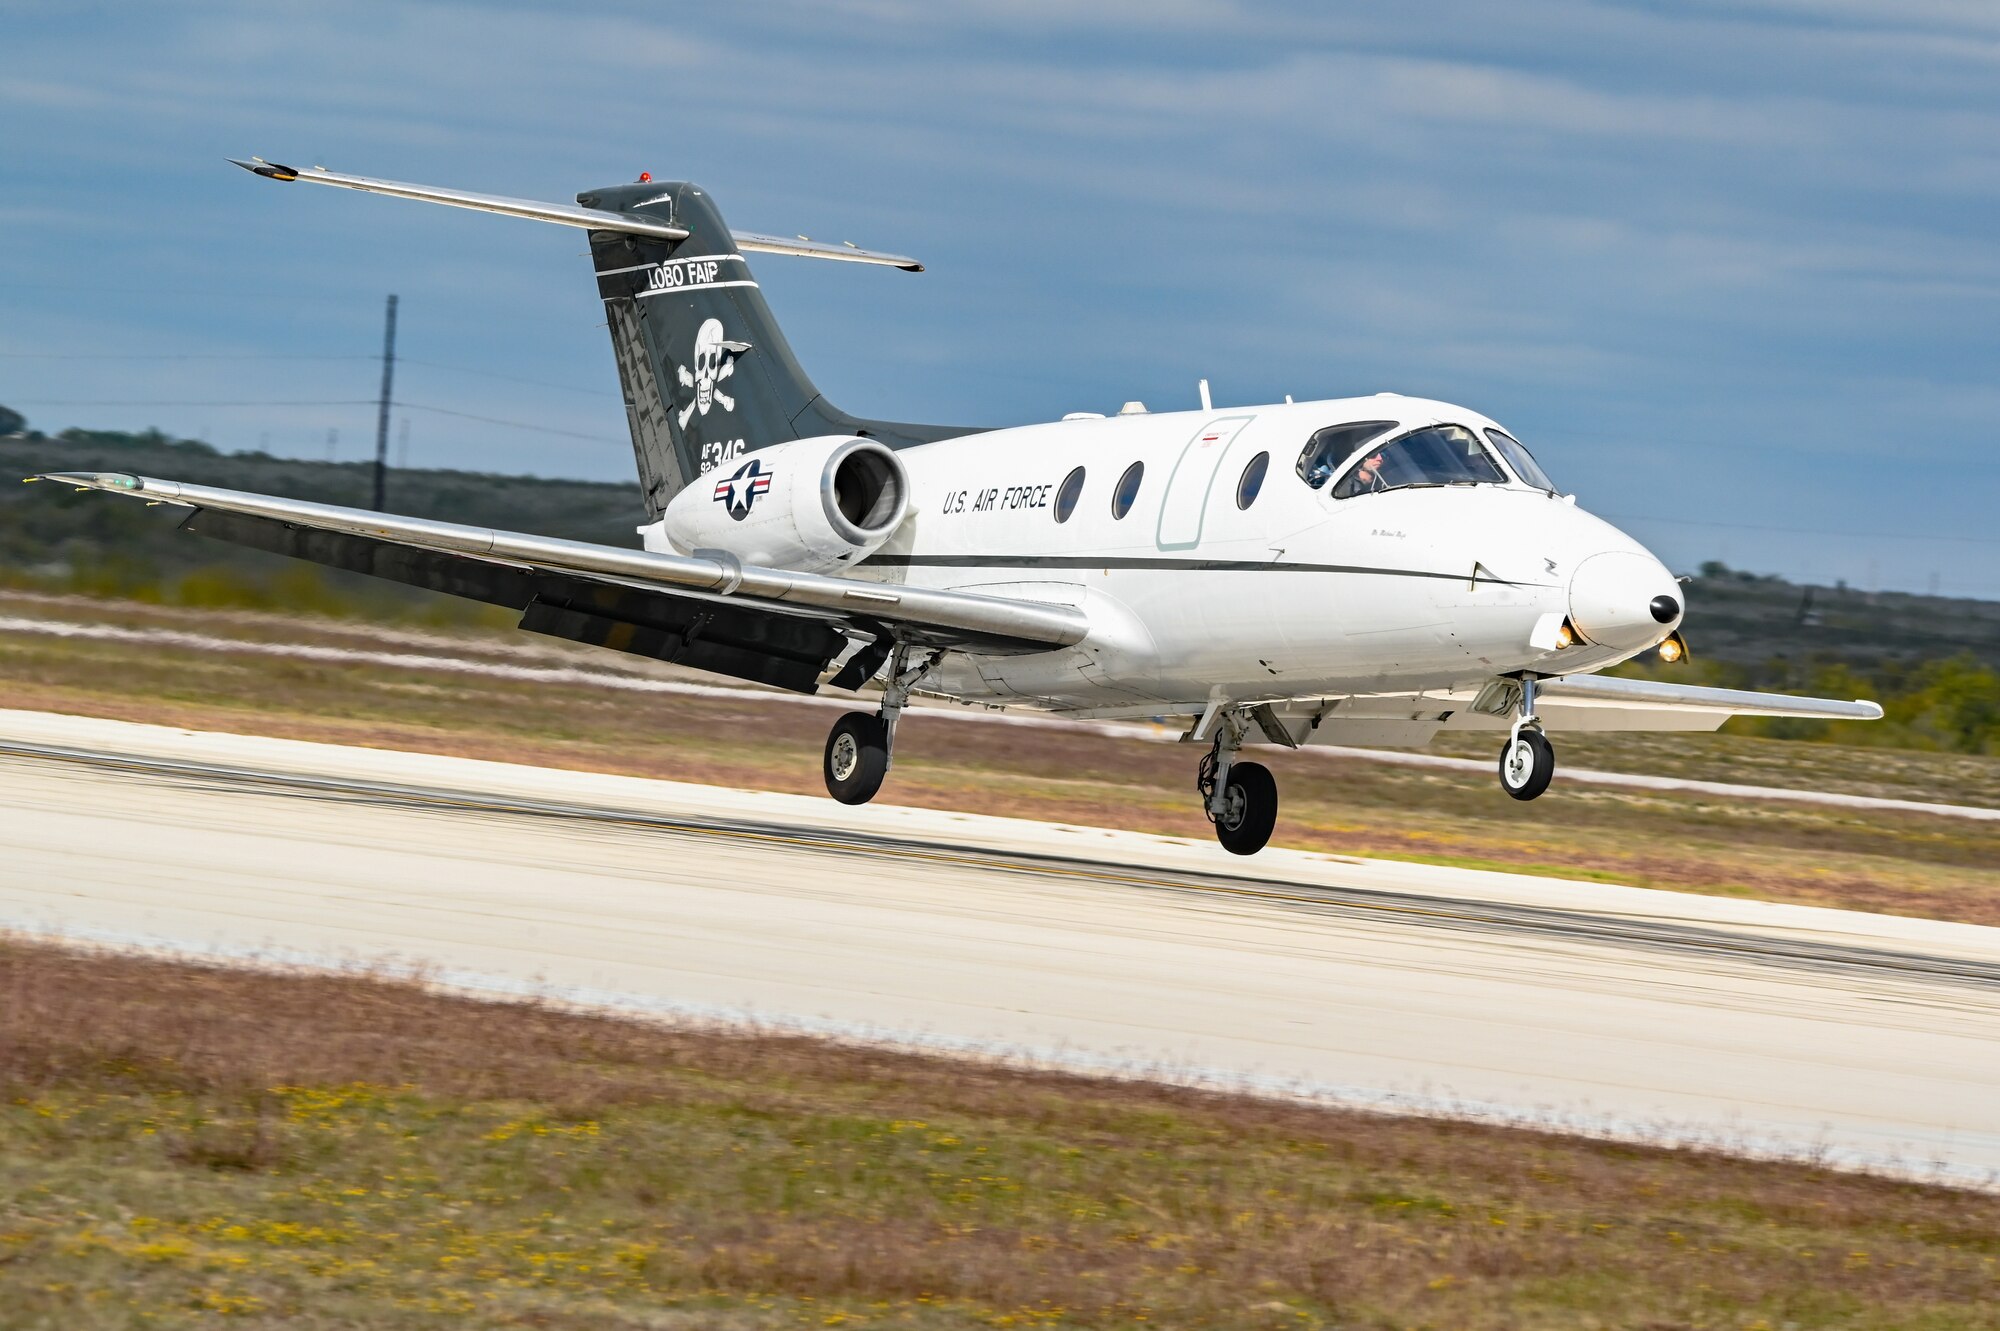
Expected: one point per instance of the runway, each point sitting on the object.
(1873, 1039)
(531, 662)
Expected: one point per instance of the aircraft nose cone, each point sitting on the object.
(1623, 599)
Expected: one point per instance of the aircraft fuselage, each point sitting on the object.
(1194, 596)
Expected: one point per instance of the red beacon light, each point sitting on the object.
(645, 177)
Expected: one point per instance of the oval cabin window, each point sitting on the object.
(1066, 497)
(1127, 492)
(1252, 480)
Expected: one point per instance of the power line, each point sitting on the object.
(506, 378)
(236, 356)
(136, 402)
(1807, 531)
(512, 425)
(178, 355)
(327, 402)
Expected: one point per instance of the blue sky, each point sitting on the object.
(1732, 270)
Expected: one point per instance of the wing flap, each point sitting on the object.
(789, 650)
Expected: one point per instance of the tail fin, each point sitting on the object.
(707, 375)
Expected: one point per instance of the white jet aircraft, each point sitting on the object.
(1369, 570)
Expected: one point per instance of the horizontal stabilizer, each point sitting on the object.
(562, 214)
(569, 214)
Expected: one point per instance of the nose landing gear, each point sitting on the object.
(1241, 799)
(859, 746)
(1528, 761)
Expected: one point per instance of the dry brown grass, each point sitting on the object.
(181, 1141)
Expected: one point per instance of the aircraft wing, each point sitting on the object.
(706, 611)
(1612, 699)
(1573, 704)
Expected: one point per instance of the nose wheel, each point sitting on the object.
(1249, 809)
(1528, 760)
(1527, 765)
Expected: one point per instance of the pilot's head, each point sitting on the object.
(1370, 465)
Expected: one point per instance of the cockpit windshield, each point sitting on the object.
(1437, 455)
(1520, 460)
(1329, 450)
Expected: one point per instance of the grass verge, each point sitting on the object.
(182, 1145)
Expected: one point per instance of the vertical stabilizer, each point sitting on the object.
(706, 373)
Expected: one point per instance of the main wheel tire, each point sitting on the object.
(1249, 809)
(857, 757)
(1527, 764)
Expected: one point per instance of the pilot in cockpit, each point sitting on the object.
(1367, 477)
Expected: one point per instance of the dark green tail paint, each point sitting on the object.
(706, 372)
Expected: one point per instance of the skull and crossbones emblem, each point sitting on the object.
(714, 360)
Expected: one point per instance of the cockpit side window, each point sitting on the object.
(1327, 450)
(1437, 455)
(1520, 460)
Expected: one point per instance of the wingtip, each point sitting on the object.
(257, 166)
(911, 267)
(93, 480)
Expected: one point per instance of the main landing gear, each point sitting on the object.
(857, 750)
(1528, 762)
(1241, 799)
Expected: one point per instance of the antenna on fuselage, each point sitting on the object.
(1206, 405)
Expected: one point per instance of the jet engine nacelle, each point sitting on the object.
(809, 505)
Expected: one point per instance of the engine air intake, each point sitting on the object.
(866, 495)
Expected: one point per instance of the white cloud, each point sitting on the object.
(1694, 215)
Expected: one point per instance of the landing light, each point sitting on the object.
(1565, 636)
(1673, 648)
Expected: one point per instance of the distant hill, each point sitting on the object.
(1768, 632)
(54, 538)
(1748, 620)
(583, 510)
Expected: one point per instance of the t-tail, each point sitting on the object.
(707, 374)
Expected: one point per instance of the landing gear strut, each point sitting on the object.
(1528, 762)
(1241, 799)
(858, 749)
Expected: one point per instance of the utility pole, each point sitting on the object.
(382, 414)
